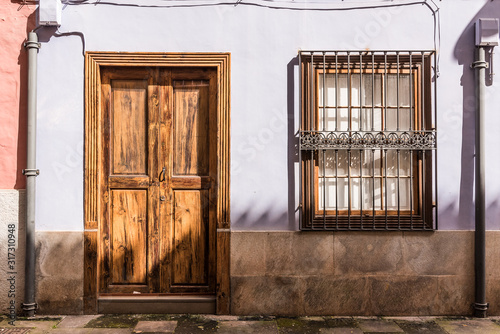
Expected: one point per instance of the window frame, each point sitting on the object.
(422, 214)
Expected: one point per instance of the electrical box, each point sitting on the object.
(487, 32)
(49, 13)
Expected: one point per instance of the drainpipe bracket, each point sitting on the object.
(480, 309)
(30, 307)
(31, 172)
(480, 64)
(32, 45)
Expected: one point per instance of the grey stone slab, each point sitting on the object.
(334, 295)
(276, 295)
(439, 253)
(155, 327)
(341, 330)
(454, 294)
(75, 321)
(279, 259)
(59, 252)
(368, 253)
(493, 295)
(492, 251)
(258, 327)
(469, 326)
(403, 295)
(248, 253)
(379, 326)
(312, 253)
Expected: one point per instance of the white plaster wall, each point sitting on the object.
(263, 43)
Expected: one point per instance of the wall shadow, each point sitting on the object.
(464, 53)
(293, 144)
(269, 218)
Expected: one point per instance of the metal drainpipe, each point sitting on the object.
(480, 305)
(29, 305)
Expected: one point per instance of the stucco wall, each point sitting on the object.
(264, 83)
(15, 22)
(263, 43)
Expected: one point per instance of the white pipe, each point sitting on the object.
(29, 305)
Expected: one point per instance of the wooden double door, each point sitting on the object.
(158, 175)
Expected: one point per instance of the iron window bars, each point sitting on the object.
(368, 140)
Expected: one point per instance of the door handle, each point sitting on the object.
(161, 177)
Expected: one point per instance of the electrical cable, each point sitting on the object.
(290, 5)
(73, 33)
(273, 4)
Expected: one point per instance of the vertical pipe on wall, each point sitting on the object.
(29, 305)
(480, 305)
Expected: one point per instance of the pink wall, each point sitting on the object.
(14, 25)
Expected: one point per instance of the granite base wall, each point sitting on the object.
(359, 273)
(59, 272)
(59, 262)
(293, 273)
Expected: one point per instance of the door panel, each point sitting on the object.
(191, 127)
(191, 192)
(158, 168)
(128, 231)
(129, 181)
(190, 238)
(129, 114)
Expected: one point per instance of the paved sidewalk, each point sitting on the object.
(144, 324)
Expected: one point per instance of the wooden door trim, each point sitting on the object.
(92, 212)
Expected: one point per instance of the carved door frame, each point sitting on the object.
(93, 63)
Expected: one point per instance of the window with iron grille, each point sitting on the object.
(368, 140)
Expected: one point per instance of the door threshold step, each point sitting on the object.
(156, 304)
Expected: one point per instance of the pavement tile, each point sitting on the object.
(379, 326)
(14, 330)
(71, 330)
(341, 322)
(89, 331)
(113, 321)
(420, 326)
(195, 324)
(38, 326)
(309, 318)
(192, 324)
(221, 317)
(341, 330)
(110, 330)
(260, 327)
(415, 319)
(155, 327)
(469, 326)
(75, 321)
